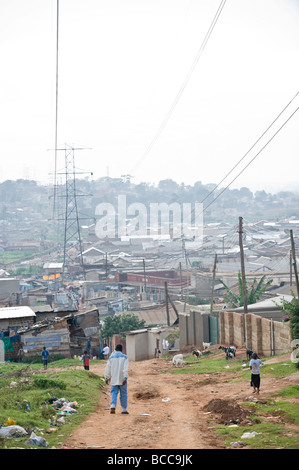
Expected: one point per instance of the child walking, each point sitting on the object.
(254, 365)
(86, 360)
(45, 357)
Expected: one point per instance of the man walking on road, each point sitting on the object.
(117, 370)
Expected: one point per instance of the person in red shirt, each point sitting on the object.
(86, 360)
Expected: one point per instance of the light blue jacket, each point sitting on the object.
(117, 368)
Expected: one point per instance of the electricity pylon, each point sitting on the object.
(72, 250)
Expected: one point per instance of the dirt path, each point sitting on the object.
(179, 423)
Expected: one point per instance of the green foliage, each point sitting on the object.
(172, 336)
(118, 324)
(28, 270)
(196, 264)
(194, 300)
(292, 315)
(257, 289)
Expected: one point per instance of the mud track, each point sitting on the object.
(169, 411)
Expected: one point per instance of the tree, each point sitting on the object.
(118, 324)
(172, 336)
(292, 310)
(257, 289)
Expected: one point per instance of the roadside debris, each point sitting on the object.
(238, 443)
(37, 440)
(12, 431)
(250, 435)
(62, 406)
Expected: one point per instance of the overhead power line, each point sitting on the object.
(56, 109)
(256, 142)
(235, 166)
(181, 90)
(249, 163)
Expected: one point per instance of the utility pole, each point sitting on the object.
(181, 281)
(294, 262)
(243, 275)
(242, 264)
(167, 306)
(291, 269)
(144, 277)
(213, 283)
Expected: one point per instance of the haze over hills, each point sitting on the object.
(27, 201)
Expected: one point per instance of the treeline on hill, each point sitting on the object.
(28, 195)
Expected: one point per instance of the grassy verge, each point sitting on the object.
(209, 364)
(270, 436)
(26, 396)
(274, 428)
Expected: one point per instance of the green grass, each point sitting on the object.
(208, 365)
(36, 389)
(272, 436)
(279, 369)
(289, 392)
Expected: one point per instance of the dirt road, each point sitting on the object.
(166, 411)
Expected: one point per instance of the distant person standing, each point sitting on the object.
(254, 365)
(45, 357)
(106, 351)
(117, 371)
(88, 346)
(86, 358)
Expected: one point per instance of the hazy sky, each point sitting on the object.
(135, 89)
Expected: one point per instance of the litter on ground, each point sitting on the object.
(249, 435)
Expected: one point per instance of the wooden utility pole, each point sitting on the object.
(167, 306)
(242, 264)
(291, 269)
(294, 262)
(213, 283)
(144, 278)
(181, 281)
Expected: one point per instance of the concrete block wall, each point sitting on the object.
(231, 328)
(282, 336)
(191, 329)
(263, 336)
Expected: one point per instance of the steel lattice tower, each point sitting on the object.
(72, 237)
(72, 246)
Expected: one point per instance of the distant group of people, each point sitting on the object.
(87, 354)
(116, 372)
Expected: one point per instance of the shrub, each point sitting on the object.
(292, 310)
